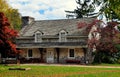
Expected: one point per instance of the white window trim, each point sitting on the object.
(62, 31)
(69, 53)
(36, 36)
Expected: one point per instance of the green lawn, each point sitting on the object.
(58, 71)
(104, 64)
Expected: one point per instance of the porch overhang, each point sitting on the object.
(52, 45)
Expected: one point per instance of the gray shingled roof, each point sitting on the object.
(53, 27)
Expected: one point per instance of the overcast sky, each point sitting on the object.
(43, 9)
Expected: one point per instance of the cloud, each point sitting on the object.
(43, 9)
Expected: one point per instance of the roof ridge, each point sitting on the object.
(60, 19)
(64, 19)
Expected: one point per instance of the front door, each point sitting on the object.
(50, 55)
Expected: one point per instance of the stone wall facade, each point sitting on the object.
(50, 54)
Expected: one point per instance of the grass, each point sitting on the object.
(104, 64)
(58, 71)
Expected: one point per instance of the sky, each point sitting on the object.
(43, 9)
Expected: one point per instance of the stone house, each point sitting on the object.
(54, 41)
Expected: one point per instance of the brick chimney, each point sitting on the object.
(26, 20)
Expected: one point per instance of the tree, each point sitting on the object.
(12, 14)
(109, 8)
(110, 36)
(7, 35)
(119, 28)
(14, 18)
(85, 9)
(105, 45)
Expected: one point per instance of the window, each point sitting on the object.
(38, 37)
(30, 53)
(62, 36)
(71, 53)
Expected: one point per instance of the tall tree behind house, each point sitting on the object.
(85, 8)
(13, 15)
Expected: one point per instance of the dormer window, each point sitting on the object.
(38, 36)
(62, 36)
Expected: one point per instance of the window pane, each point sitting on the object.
(30, 53)
(38, 37)
(62, 34)
(71, 53)
(63, 38)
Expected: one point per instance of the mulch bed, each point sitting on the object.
(19, 68)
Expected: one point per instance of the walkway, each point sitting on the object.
(73, 65)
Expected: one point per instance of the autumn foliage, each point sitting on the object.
(107, 35)
(104, 39)
(7, 35)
